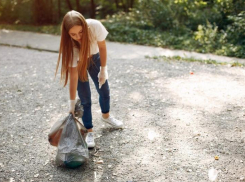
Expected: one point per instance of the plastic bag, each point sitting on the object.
(56, 130)
(72, 149)
(78, 109)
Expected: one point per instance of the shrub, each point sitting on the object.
(207, 37)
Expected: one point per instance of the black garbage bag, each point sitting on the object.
(72, 149)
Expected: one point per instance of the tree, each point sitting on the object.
(69, 4)
(92, 9)
(43, 11)
(78, 5)
(59, 9)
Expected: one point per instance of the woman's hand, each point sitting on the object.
(103, 75)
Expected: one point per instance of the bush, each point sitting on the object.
(124, 28)
(229, 42)
(208, 37)
(236, 30)
(15, 12)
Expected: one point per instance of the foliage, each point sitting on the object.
(126, 27)
(229, 42)
(236, 31)
(110, 7)
(40, 12)
(198, 25)
(15, 11)
(236, 34)
(205, 26)
(208, 37)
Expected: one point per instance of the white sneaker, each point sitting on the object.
(90, 140)
(112, 121)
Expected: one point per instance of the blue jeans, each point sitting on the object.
(84, 92)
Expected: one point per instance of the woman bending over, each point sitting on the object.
(83, 51)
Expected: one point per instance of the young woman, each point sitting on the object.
(82, 51)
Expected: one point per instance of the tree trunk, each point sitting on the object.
(116, 1)
(59, 10)
(131, 3)
(92, 9)
(69, 4)
(52, 11)
(124, 6)
(128, 4)
(78, 5)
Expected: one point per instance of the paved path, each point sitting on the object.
(175, 122)
(115, 50)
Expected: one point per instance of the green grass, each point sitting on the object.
(48, 29)
(209, 61)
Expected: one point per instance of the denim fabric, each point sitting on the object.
(84, 92)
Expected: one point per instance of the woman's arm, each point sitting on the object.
(103, 74)
(103, 53)
(73, 79)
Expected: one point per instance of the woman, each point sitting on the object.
(83, 50)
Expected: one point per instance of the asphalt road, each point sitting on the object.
(175, 122)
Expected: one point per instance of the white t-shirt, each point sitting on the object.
(99, 33)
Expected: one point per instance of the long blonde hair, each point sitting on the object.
(67, 44)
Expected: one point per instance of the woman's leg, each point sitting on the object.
(104, 91)
(84, 94)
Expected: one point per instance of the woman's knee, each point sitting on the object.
(104, 92)
(86, 103)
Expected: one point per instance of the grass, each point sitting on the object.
(48, 29)
(209, 61)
